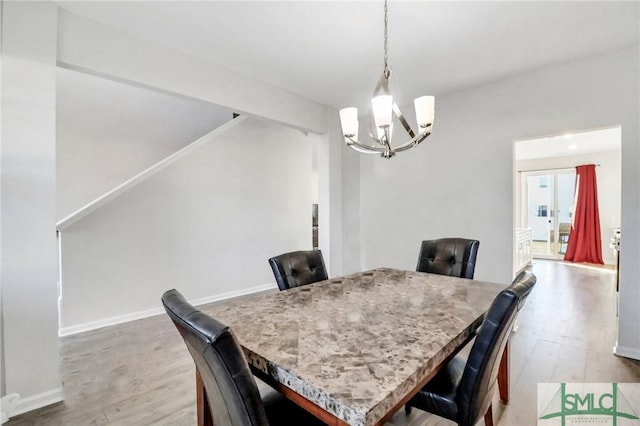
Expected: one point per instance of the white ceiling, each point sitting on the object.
(602, 140)
(331, 51)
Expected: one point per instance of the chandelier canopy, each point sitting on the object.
(381, 115)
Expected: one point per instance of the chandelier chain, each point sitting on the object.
(386, 40)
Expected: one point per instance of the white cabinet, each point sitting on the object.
(522, 256)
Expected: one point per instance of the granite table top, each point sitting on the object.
(356, 345)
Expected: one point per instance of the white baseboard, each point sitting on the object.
(93, 325)
(119, 319)
(626, 351)
(36, 401)
(232, 294)
(7, 404)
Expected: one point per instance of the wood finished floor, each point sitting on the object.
(140, 373)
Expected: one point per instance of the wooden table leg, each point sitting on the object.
(503, 375)
(202, 403)
(488, 417)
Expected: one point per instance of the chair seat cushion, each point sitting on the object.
(438, 396)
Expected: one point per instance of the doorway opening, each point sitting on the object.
(544, 185)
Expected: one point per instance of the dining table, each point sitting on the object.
(352, 350)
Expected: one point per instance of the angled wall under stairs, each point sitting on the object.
(204, 221)
(108, 131)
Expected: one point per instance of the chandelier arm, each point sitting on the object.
(411, 143)
(364, 151)
(368, 149)
(383, 84)
(403, 121)
(364, 148)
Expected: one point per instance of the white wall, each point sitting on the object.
(330, 199)
(459, 181)
(609, 188)
(29, 269)
(3, 389)
(100, 50)
(108, 132)
(205, 225)
(350, 208)
(97, 49)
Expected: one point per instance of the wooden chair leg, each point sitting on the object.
(202, 403)
(503, 375)
(407, 409)
(488, 417)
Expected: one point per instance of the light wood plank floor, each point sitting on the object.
(140, 373)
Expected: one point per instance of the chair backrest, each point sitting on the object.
(298, 268)
(455, 257)
(481, 371)
(231, 390)
(522, 286)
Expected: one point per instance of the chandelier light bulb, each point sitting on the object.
(425, 111)
(382, 110)
(349, 121)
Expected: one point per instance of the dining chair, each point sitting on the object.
(298, 268)
(455, 257)
(462, 391)
(230, 396)
(522, 285)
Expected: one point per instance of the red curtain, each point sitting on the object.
(585, 244)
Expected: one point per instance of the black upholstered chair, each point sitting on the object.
(231, 396)
(298, 268)
(463, 390)
(455, 257)
(522, 285)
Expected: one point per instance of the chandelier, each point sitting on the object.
(381, 115)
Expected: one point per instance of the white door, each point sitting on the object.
(548, 203)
